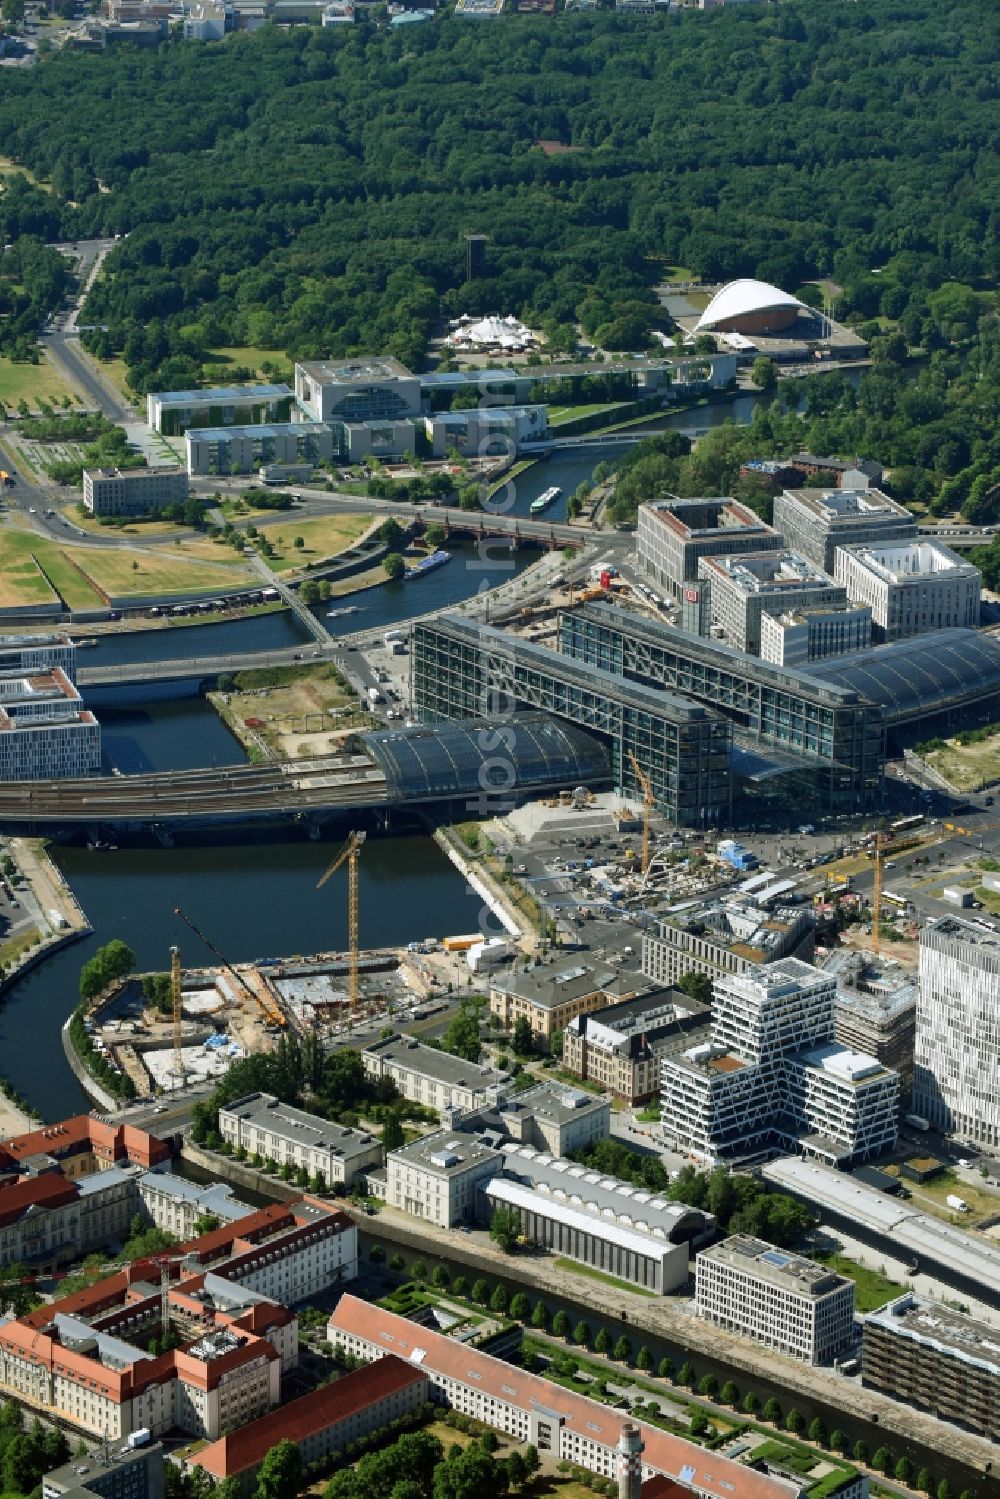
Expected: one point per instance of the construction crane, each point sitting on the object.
(350, 853)
(648, 803)
(273, 1014)
(175, 997)
(877, 897)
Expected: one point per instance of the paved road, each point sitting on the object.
(65, 353)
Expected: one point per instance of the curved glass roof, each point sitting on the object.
(523, 751)
(920, 676)
(737, 298)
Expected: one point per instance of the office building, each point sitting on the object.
(935, 1359)
(772, 1078)
(673, 536)
(485, 431)
(134, 1471)
(436, 1176)
(957, 1048)
(178, 1205)
(556, 1118)
(460, 668)
(45, 731)
(241, 450)
(357, 390)
(326, 1421)
(875, 1010)
(133, 491)
(613, 1226)
(802, 635)
(172, 412)
(780, 1300)
(433, 1078)
(550, 996)
(276, 1131)
(205, 21)
(798, 739)
(619, 1047)
(358, 442)
(724, 936)
(745, 587)
(911, 588)
(527, 1408)
(27, 654)
(815, 522)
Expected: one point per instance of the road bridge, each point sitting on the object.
(196, 668)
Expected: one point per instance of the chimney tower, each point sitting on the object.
(630, 1450)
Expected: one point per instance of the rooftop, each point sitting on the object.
(258, 430)
(931, 1323)
(919, 676)
(977, 933)
(912, 561)
(265, 1112)
(454, 1072)
(554, 1101)
(879, 992)
(446, 1153)
(378, 367)
(697, 518)
(549, 986)
(767, 572)
(221, 395)
(739, 924)
(745, 296)
(132, 473)
(779, 1267)
(842, 1063)
(217, 1198)
(830, 506)
(648, 1014)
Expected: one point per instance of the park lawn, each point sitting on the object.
(947, 1183)
(592, 1274)
(251, 356)
(140, 530)
(871, 1289)
(32, 383)
(324, 536)
(558, 414)
(18, 546)
(164, 571)
(116, 370)
(22, 582)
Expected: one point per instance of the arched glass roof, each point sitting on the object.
(523, 751)
(920, 676)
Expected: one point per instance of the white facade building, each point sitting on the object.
(177, 1205)
(436, 1177)
(368, 389)
(45, 731)
(799, 636)
(778, 1299)
(771, 1075)
(37, 653)
(430, 1077)
(263, 1126)
(138, 491)
(745, 588)
(957, 1048)
(815, 522)
(911, 588)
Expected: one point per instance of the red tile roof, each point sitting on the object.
(720, 1477)
(311, 1413)
(51, 1190)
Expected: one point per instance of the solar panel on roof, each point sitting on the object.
(775, 1257)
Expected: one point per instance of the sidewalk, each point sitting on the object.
(49, 891)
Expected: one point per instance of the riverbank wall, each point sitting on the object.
(237, 1173)
(482, 882)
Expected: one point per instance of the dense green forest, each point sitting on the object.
(308, 190)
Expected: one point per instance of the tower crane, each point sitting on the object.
(648, 803)
(350, 853)
(877, 896)
(273, 1014)
(175, 997)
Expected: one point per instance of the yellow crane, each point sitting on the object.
(350, 853)
(877, 897)
(175, 996)
(648, 803)
(272, 1014)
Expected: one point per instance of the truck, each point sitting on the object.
(916, 1121)
(957, 1204)
(374, 696)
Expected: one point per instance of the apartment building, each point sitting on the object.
(550, 997)
(725, 936)
(957, 1047)
(325, 1421)
(815, 522)
(430, 1077)
(936, 1359)
(436, 1176)
(22, 655)
(911, 588)
(45, 731)
(620, 1047)
(133, 491)
(276, 1131)
(743, 588)
(528, 1408)
(799, 636)
(673, 536)
(780, 1300)
(772, 1077)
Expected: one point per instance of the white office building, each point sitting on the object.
(815, 522)
(45, 731)
(772, 1075)
(957, 1048)
(911, 588)
(802, 635)
(745, 588)
(430, 1077)
(174, 411)
(370, 389)
(778, 1299)
(133, 491)
(436, 1177)
(276, 1131)
(37, 653)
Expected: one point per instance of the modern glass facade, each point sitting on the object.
(461, 670)
(829, 739)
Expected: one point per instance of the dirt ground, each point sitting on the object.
(300, 717)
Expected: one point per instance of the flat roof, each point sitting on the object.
(912, 561)
(694, 519)
(936, 1326)
(256, 430)
(769, 572)
(832, 507)
(453, 1071)
(842, 1063)
(220, 395)
(974, 1257)
(266, 1112)
(354, 371)
(446, 1153)
(556, 1101)
(779, 1267)
(977, 933)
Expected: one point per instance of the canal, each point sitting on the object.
(253, 900)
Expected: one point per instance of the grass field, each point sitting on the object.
(325, 536)
(592, 1274)
(933, 1194)
(558, 414)
(32, 383)
(10, 168)
(871, 1290)
(251, 357)
(114, 370)
(21, 582)
(969, 767)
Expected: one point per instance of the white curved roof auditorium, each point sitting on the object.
(749, 307)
